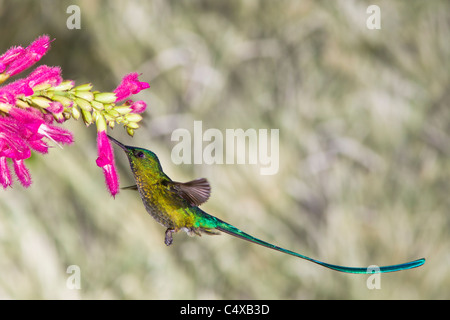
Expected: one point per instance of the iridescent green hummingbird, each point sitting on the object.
(175, 206)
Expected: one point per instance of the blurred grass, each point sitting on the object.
(364, 173)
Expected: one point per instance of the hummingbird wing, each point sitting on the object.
(195, 192)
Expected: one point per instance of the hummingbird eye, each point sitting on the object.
(140, 154)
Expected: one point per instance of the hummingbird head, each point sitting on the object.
(141, 160)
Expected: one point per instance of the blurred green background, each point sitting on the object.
(364, 125)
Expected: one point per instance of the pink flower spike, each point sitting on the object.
(130, 85)
(106, 161)
(138, 106)
(32, 54)
(22, 172)
(5, 174)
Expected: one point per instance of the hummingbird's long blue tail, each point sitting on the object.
(231, 230)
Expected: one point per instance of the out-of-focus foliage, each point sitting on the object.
(364, 174)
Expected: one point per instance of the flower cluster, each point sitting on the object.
(29, 108)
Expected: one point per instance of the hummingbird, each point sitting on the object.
(175, 205)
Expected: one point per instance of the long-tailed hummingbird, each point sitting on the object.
(175, 206)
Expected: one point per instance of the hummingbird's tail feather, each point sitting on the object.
(231, 230)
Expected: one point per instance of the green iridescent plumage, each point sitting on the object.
(175, 205)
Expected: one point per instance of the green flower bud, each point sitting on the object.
(100, 122)
(75, 113)
(84, 87)
(3, 77)
(133, 125)
(113, 113)
(42, 86)
(67, 115)
(97, 105)
(120, 119)
(40, 102)
(86, 95)
(5, 107)
(87, 117)
(109, 118)
(122, 109)
(130, 132)
(66, 102)
(133, 117)
(105, 97)
(63, 86)
(58, 117)
(22, 104)
(83, 104)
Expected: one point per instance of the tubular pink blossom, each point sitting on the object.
(22, 172)
(106, 161)
(26, 115)
(55, 107)
(14, 147)
(11, 91)
(9, 56)
(129, 85)
(38, 145)
(12, 144)
(138, 106)
(7, 97)
(54, 133)
(32, 54)
(32, 128)
(111, 178)
(45, 74)
(39, 47)
(5, 173)
(48, 118)
(42, 74)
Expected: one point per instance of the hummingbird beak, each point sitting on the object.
(124, 147)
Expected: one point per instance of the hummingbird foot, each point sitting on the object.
(168, 239)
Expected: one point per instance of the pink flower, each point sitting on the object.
(45, 74)
(11, 143)
(33, 128)
(22, 172)
(9, 56)
(5, 174)
(10, 92)
(14, 147)
(130, 85)
(55, 133)
(42, 74)
(21, 131)
(7, 97)
(55, 107)
(106, 161)
(20, 60)
(138, 106)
